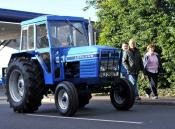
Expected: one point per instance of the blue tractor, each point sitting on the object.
(55, 55)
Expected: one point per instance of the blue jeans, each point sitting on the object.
(133, 79)
(124, 75)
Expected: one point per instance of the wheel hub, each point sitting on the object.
(21, 86)
(118, 96)
(16, 85)
(63, 99)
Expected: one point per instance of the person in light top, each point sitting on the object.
(152, 64)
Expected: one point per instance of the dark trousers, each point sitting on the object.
(153, 78)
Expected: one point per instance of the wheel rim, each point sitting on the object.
(16, 86)
(118, 95)
(63, 99)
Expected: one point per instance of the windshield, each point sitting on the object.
(66, 34)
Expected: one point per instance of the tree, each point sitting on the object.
(144, 20)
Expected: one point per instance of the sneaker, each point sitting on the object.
(137, 98)
(155, 97)
(148, 96)
(148, 91)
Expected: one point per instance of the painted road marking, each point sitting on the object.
(86, 119)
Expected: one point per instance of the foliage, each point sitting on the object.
(144, 20)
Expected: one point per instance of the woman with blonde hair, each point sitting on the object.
(152, 64)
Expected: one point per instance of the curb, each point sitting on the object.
(3, 98)
(144, 101)
(158, 102)
(161, 101)
(48, 100)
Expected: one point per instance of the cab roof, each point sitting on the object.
(52, 18)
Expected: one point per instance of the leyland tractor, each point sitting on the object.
(55, 55)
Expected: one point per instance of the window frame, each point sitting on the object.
(48, 36)
(33, 38)
(26, 28)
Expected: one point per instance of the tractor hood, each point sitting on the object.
(87, 52)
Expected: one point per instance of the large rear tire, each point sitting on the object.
(66, 98)
(122, 95)
(24, 85)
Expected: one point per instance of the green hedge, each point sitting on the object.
(144, 20)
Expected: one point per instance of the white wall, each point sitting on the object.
(5, 55)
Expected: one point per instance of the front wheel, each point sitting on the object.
(66, 98)
(122, 95)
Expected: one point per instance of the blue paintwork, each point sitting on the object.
(88, 57)
(89, 68)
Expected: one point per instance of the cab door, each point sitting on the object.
(42, 49)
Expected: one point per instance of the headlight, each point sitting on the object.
(108, 68)
(115, 68)
(102, 68)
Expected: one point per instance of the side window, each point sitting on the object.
(54, 36)
(24, 39)
(41, 36)
(64, 35)
(30, 37)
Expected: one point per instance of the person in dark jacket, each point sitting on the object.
(152, 64)
(132, 61)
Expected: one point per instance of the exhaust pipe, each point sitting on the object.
(90, 32)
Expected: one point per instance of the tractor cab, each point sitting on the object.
(49, 38)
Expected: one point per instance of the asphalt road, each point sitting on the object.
(99, 114)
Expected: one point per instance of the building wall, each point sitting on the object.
(5, 55)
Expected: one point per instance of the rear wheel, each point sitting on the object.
(66, 98)
(24, 85)
(122, 95)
